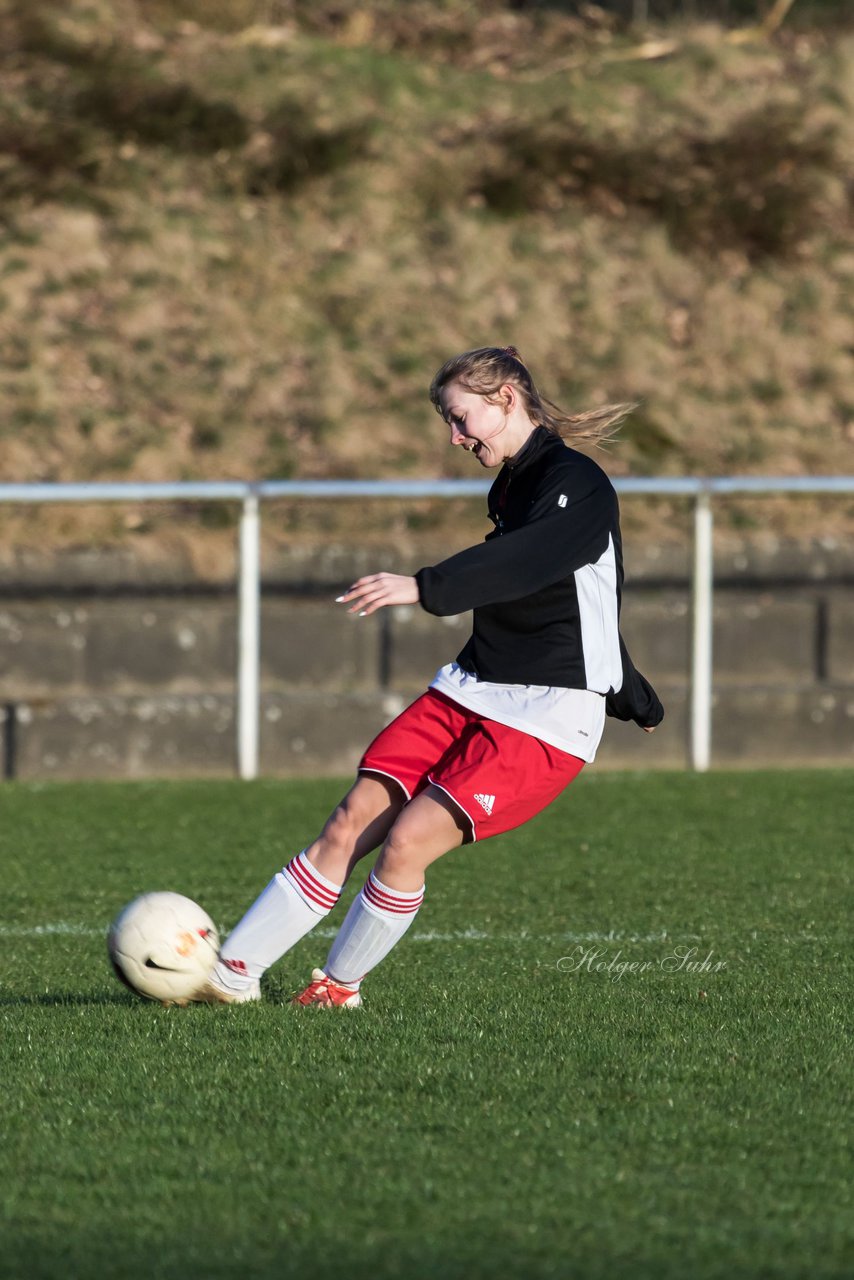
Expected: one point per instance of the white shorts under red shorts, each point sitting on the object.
(498, 776)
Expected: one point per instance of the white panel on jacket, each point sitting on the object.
(596, 585)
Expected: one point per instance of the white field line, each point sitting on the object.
(66, 929)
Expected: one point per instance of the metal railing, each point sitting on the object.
(250, 495)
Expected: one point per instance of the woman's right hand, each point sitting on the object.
(378, 591)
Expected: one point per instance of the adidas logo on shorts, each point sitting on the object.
(486, 803)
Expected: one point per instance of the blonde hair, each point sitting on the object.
(486, 369)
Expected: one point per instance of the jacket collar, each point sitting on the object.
(539, 440)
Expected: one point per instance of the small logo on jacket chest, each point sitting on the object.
(561, 502)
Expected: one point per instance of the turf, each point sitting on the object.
(509, 1101)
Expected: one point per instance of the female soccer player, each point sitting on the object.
(503, 729)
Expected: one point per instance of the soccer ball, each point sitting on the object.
(163, 946)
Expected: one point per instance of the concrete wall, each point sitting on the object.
(107, 673)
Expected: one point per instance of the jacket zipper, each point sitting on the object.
(502, 502)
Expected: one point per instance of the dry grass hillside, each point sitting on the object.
(236, 239)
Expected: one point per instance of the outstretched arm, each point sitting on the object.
(567, 527)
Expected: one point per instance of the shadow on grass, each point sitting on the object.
(56, 999)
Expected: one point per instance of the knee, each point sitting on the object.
(402, 851)
(364, 813)
(343, 827)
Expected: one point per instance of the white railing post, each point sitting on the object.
(248, 639)
(701, 642)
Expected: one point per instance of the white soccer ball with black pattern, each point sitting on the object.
(163, 946)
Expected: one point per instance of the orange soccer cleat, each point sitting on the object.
(327, 994)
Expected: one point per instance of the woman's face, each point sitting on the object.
(476, 426)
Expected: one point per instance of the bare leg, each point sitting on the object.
(358, 825)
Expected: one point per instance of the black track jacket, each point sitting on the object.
(546, 583)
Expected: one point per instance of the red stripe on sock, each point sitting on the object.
(300, 871)
(392, 899)
(304, 873)
(393, 895)
(392, 911)
(390, 902)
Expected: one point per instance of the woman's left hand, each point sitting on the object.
(377, 591)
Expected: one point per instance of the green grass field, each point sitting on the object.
(499, 1107)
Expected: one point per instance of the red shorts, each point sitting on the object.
(499, 777)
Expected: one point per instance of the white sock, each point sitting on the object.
(296, 899)
(377, 919)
